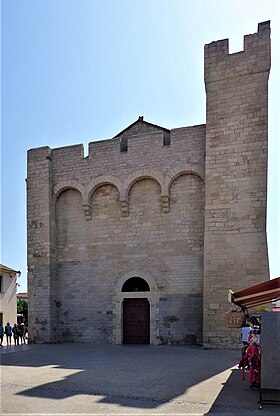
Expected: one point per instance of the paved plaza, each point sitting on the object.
(85, 379)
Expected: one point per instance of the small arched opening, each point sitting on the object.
(135, 284)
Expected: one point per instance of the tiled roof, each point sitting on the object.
(22, 295)
(4, 268)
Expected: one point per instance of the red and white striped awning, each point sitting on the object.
(256, 295)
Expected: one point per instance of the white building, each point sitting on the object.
(8, 297)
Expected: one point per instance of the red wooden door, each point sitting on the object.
(136, 321)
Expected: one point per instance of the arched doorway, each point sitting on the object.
(136, 293)
(136, 313)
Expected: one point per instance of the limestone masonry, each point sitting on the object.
(140, 241)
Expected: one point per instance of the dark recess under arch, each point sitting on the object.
(135, 284)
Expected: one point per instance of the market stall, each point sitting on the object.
(264, 361)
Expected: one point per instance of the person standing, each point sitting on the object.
(22, 329)
(16, 334)
(8, 332)
(26, 334)
(20, 332)
(245, 331)
(1, 335)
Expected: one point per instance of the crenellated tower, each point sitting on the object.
(235, 250)
(41, 255)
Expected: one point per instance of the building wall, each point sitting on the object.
(235, 254)
(8, 299)
(109, 214)
(184, 209)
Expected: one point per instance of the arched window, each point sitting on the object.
(135, 284)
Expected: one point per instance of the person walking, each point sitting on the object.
(8, 332)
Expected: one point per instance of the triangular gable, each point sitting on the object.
(140, 127)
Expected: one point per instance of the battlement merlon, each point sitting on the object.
(219, 64)
(39, 153)
(154, 140)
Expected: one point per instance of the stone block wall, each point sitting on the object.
(111, 213)
(235, 253)
(41, 252)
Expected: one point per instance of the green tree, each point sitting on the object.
(22, 308)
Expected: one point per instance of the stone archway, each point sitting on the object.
(119, 297)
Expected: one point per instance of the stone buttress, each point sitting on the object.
(235, 247)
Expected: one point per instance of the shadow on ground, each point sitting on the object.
(237, 397)
(136, 376)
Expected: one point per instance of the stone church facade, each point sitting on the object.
(140, 241)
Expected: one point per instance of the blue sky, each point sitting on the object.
(77, 71)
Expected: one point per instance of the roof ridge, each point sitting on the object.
(8, 269)
(140, 120)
